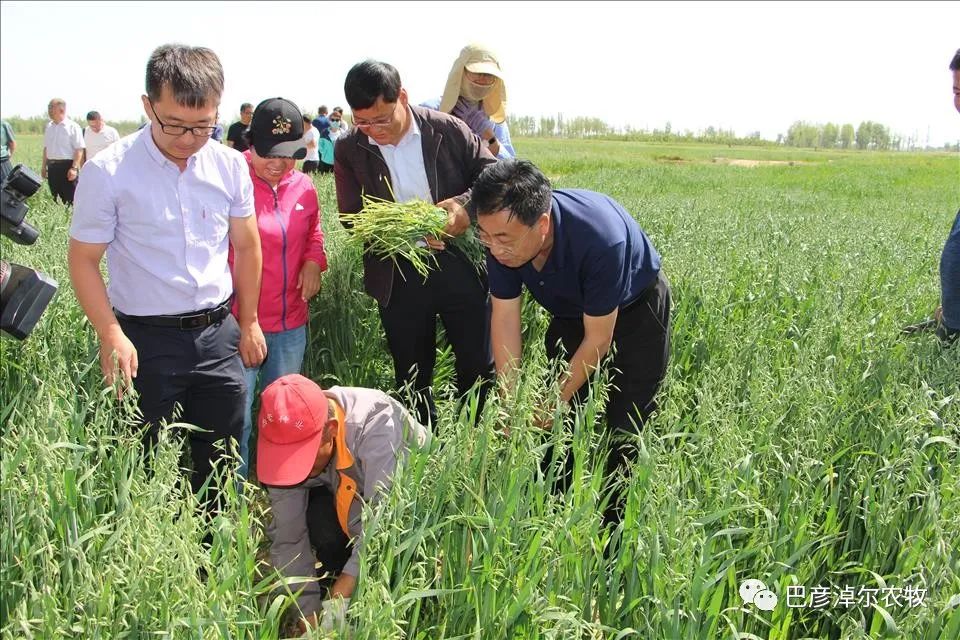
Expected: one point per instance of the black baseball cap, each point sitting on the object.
(277, 129)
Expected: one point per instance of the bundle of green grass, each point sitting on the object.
(396, 230)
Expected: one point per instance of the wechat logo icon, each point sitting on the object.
(755, 592)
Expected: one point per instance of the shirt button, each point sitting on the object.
(541, 283)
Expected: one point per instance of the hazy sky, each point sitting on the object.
(743, 66)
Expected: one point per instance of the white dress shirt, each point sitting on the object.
(62, 139)
(166, 230)
(408, 176)
(97, 142)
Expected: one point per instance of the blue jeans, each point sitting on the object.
(285, 351)
(950, 278)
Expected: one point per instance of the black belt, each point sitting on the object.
(195, 320)
(643, 294)
(59, 161)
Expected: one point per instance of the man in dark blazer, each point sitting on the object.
(397, 151)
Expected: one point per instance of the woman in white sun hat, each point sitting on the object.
(477, 94)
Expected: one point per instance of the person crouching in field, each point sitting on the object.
(585, 259)
(291, 240)
(323, 454)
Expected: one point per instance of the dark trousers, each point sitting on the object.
(332, 546)
(454, 292)
(641, 343)
(310, 166)
(323, 167)
(61, 188)
(200, 370)
(5, 168)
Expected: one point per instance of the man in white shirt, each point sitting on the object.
(311, 139)
(62, 152)
(98, 135)
(164, 205)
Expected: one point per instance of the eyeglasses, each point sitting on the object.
(178, 130)
(379, 123)
(492, 243)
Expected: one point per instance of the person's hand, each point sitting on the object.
(72, 174)
(334, 614)
(117, 353)
(253, 346)
(304, 625)
(545, 414)
(475, 118)
(458, 221)
(43, 172)
(308, 282)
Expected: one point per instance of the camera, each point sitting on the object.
(24, 292)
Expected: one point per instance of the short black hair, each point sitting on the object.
(368, 80)
(244, 106)
(955, 63)
(517, 185)
(194, 75)
(93, 115)
(322, 109)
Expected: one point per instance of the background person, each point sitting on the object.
(323, 455)
(98, 135)
(291, 241)
(477, 94)
(8, 144)
(946, 317)
(325, 147)
(62, 152)
(400, 152)
(949, 316)
(321, 120)
(338, 127)
(311, 141)
(164, 204)
(236, 134)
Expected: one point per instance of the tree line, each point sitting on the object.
(868, 135)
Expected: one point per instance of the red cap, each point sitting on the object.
(293, 414)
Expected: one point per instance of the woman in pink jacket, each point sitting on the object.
(291, 239)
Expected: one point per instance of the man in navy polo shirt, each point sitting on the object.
(586, 260)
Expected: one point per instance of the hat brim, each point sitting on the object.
(293, 149)
(484, 67)
(284, 465)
